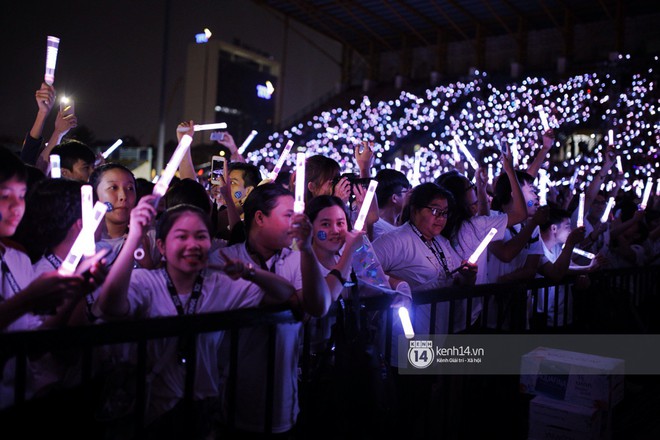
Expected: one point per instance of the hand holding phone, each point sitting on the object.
(66, 107)
(217, 169)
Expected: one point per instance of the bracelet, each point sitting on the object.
(337, 274)
(251, 272)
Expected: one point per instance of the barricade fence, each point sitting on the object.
(615, 301)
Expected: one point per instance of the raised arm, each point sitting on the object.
(364, 158)
(542, 155)
(112, 301)
(63, 123)
(45, 98)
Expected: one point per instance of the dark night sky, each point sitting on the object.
(110, 59)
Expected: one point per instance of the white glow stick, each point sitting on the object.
(589, 255)
(112, 148)
(490, 173)
(657, 188)
(55, 170)
(247, 141)
(87, 208)
(580, 216)
(647, 193)
(202, 127)
(299, 203)
(543, 187)
(166, 177)
(416, 173)
(608, 208)
(362, 215)
(574, 178)
(610, 137)
(544, 117)
(404, 316)
(72, 259)
(280, 162)
(482, 246)
(397, 164)
(515, 153)
(466, 153)
(52, 44)
(619, 165)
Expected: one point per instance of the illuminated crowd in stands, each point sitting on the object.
(454, 165)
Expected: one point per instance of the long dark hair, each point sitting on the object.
(422, 195)
(319, 203)
(458, 185)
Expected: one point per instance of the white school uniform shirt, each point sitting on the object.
(551, 255)
(20, 266)
(149, 297)
(469, 237)
(405, 256)
(602, 243)
(382, 227)
(253, 356)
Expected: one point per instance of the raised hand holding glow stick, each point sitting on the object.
(647, 193)
(52, 45)
(619, 165)
(203, 127)
(280, 162)
(166, 177)
(466, 152)
(608, 209)
(55, 170)
(112, 148)
(544, 117)
(404, 316)
(580, 216)
(87, 207)
(76, 252)
(299, 203)
(247, 141)
(482, 246)
(368, 198)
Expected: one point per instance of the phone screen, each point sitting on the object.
(67, 108)
(217, 168)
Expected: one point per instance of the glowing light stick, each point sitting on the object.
(466, 153)
(580, 216)
(55, 170)
(112, 148)
(362, 215)
(490, 173)
(247, 141)
(299, 203)
(397, 163)
(610, 137)
(202, 127)
(416, 174)
(515, 153)
(657, 188)
(589, 255)
(647, 193)
(574, 178)
(544, 118)
(543, 187)
(608, 208)
(87, 208)
(482, 246)
(404, 316)
(166, 177)
(72, 259)
(619, 165)
(52, 45)
(280, 162)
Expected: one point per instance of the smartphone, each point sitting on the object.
(217, 135)
(66, 107)
(217, 168)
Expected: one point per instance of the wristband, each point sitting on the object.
(337, 274)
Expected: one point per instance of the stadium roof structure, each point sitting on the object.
(373, 26)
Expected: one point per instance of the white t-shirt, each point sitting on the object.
(551, 255)
(149, 297)
(382, 227)
(469, 237)
(405, 256)
(253, 356)
(20, 266)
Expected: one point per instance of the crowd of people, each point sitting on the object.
(245, 244)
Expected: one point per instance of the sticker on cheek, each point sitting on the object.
(238, 194)
(321, 235)
(530, 203)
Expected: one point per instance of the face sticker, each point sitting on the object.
(322, 235)
(530, 203)
(238, 195)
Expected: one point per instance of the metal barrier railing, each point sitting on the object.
(529, 298)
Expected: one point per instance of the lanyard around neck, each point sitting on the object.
(6, 272)
(435, 249)
(194, 297)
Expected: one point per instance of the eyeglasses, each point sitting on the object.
(437, 212)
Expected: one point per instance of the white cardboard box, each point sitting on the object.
(556, 419)
(580, 378)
